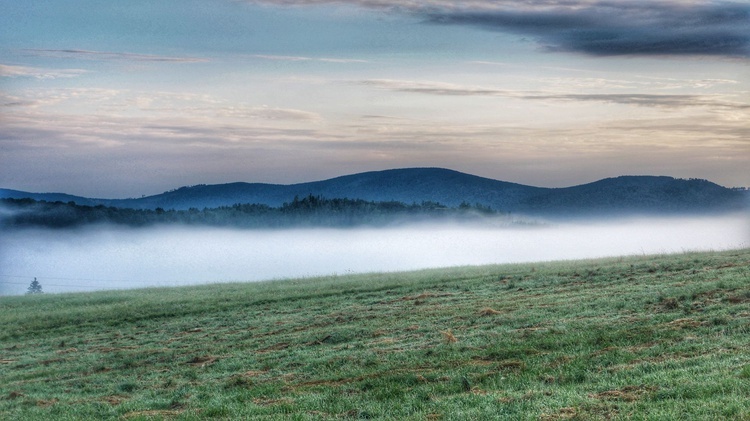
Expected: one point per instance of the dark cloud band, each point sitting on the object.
(623, 28)
(597, 28)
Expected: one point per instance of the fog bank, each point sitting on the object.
(111, 258)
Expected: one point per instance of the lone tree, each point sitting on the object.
(35, 287)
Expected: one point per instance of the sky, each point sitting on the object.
(117, 99)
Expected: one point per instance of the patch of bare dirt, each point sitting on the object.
(15, 395)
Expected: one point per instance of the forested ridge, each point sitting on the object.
(307, 211)
(610, 197)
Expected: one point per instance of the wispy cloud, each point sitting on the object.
(638, 82)
(268, 113)
(112, 56)
(38, 73)
(644, 100)
(649, 100)
(303, 58)
(14, 101)
(592, 27)
(119, 102)
(45, 145)
(436, 88)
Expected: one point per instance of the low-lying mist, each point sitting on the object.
(114, 258)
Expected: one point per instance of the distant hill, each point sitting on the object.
(49, 197)
(625, 195)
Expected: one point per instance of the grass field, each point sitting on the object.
(648, 337)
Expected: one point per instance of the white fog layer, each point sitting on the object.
(97, 259)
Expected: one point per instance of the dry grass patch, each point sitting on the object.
(203, 361)
(488, 312)
(107, 349)
(448, 336)
(46, 403)
(627, 393)
(158, 413)
(565, 413)
(684, 323)
(739, 299)
(114, 400)
(269, 402)
(275, 347)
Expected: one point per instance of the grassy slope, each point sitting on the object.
(639, 337)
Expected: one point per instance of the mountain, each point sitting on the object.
(611, 196)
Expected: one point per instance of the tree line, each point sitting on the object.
(307, 211)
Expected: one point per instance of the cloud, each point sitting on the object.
(435, 88)
(151, 152)
(302, 58)
(7, 100)
(156, 104)
(112, 56)
(639, 82)
(38, 73)
(597, 28)
(644, 100)
(608, 28)
(649, 100)
(283, 114)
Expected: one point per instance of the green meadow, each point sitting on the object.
(642, 337)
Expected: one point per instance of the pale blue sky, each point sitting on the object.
(118, 99)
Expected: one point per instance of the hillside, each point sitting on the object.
(620, 195)
(648, 337)
(643, 194)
